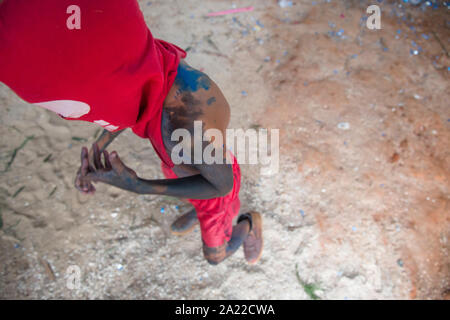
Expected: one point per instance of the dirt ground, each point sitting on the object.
(358, 210)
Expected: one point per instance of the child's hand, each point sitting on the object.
(113, 171)
(82, 182)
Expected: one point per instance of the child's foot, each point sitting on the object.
(185, 223)
(253, 244)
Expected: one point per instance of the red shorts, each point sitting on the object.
(215, 215)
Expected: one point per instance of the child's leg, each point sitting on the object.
(185, 223)
(247, 231)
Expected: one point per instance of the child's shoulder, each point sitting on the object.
(190, 79)
(195, 96)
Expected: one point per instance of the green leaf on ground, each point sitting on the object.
(310, 288)
(16, 150)
(79, 139)
(18, 191)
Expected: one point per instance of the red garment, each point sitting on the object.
(111, 71)
(216, 215)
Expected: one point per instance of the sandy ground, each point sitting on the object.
(360, 207)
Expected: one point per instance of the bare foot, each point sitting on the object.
(185, 223)
(253, 244)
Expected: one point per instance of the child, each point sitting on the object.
(97, 61)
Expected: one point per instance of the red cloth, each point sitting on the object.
(216, 215)
(111, 71)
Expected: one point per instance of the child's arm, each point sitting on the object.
(214, 180)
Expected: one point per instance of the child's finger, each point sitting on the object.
(77, 183)
(84, 164)
(115, 161)
(83, 186)
(107, 161)
(97, 160)
(84, 153)
(91, 189)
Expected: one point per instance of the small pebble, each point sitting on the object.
(344, 125)
(284, 3)
(256, 28)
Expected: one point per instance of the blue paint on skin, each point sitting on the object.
(211, 101)
(189, 79)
